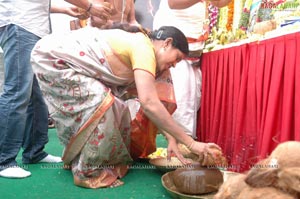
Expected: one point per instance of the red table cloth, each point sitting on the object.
(251, 98)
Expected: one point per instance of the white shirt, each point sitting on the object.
(32, 15)
(189, 20)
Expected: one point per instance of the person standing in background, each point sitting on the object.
(190, 16)
(123, 11)
(23, 112)
(186, 78)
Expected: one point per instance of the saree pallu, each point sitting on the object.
(92, 123)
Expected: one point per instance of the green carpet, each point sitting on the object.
(51, 181)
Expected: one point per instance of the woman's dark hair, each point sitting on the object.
(164, 32)
(179, 39)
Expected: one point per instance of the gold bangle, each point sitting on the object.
(90, 7)
(190, 145)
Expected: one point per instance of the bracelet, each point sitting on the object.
(90, 7)
(190, 145)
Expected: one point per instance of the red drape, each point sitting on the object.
(251, 98)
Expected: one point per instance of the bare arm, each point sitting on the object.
(182, 4)
(131, 18)
(173, 148)
(97, 8)
(155, 110)
(159, 115)
(69, 10)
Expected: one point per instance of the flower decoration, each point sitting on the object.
(213, 13)
(230, 15)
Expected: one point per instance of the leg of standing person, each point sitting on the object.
(36, 131)
(17, 44)
(187, 89)
(1, 70)
(15, 97)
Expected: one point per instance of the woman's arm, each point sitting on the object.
(154, 109)
(158, 114)
(182, 4)
(173, 148)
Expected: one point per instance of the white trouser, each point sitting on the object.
(187, 85)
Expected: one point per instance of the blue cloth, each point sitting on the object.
(23, 112)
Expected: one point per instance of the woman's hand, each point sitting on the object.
(173, 150)
(203, 149)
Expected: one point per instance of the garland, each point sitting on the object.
(222, 19)
(213, 13)
(230, 14)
